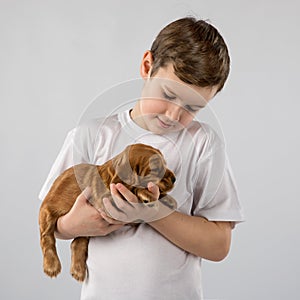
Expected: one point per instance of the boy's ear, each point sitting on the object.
(146, 65)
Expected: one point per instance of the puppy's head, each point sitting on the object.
(140, 164)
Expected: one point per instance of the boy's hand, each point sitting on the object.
(126, 207)
(84, 220)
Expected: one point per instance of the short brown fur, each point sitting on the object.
(135, 167)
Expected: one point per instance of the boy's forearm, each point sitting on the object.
(196, 235)
(60, 233)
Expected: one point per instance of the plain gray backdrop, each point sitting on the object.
(56, 56)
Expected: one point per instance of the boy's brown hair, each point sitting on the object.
(196, 50)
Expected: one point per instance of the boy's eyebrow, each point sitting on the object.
(174, 94)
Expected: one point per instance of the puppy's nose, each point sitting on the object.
(173, 179)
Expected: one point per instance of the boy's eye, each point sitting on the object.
(191, 109)
(168, 97)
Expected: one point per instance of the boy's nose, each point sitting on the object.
(174, 112)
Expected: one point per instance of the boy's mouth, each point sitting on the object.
(163, 124)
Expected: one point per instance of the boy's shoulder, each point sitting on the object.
(90, 131)
(95, 124)
(205, 137)
(203, 129)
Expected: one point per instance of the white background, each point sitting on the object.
(56, 56)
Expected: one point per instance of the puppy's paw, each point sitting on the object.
(78, 271)
(52, 266)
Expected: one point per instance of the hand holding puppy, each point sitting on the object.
(125, 206)
(84, 220)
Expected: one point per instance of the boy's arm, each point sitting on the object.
(196, 235)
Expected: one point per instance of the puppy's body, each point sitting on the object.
(135, 167)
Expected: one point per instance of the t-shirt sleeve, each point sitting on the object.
(215, 194)
(77, 148)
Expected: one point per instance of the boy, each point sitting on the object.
(161, 258)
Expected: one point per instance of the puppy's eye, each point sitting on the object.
(137, 169)
(144, 200)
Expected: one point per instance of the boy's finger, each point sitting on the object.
(128, 195)
(114, 227)
(110, 220)
(153, 188)
(87, 192)
(82, 199)
(121, 203)
(113, 211)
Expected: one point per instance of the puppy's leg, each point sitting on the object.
(79, 250)
(52, 266)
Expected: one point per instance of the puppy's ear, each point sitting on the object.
(109, 175)
(157, 166)
(122, 167)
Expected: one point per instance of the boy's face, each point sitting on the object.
(168, 104)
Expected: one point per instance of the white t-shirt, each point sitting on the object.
(137, 263)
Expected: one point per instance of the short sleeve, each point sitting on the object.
(77, 148)
(215, 193)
